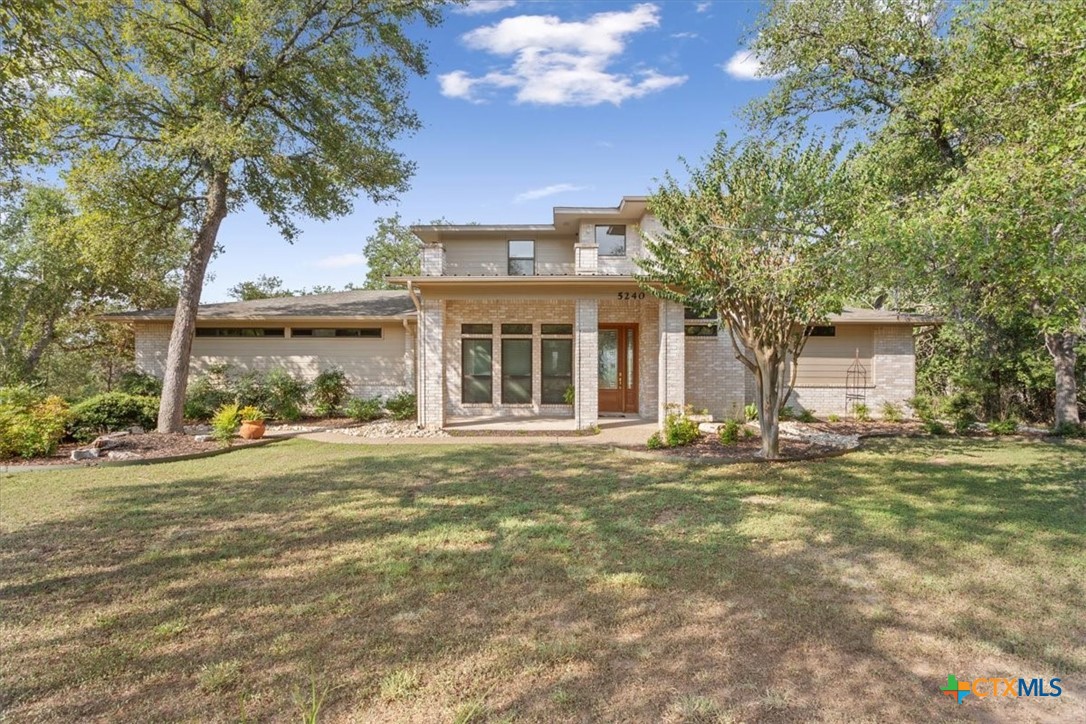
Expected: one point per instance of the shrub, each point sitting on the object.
(922, 407)
(403, 406)
(139, 383)
(1069, 429)
(364, 409)
(1008, 426)
(786, 413)
(728, 432)
(31, 425)
(961, 408)
(861, 412)
(251, 413)
(570, 395)
(225, 422)
(248, 389)
(934, 427)
(330, 388)
(204, 397)
(285, 395)
(891, 412)
(807, 416)
(654, 442)
(833, 417)
(679, 430)
(751, 412)
(111, 411)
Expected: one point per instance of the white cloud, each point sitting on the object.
(546, 191)
(702, 7)
(340, 261)
(561, 63)
(745, 65)
(684, 36)
(479, 7)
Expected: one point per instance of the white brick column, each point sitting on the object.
(585, 252)
(894, 360)
(431, 384)
(433, 260)
(586, 379)
(672, 358)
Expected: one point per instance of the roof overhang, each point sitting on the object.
(249, 319)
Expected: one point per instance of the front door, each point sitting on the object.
(618, 367)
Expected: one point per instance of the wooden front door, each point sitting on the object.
(618, 367)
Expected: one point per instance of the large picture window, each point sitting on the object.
(477, 371)
(521, 258)
(557, 367)
(516, 371)
(611, 240)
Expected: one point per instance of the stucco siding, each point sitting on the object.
(490, 257)
(825, 360)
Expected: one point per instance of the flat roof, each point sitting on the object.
(357, 304)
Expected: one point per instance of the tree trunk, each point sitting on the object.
(171, 411)
(766, 397)
(1062, 348)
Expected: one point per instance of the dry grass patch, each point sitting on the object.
(343, 583)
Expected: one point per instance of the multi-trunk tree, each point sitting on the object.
(756, 234)
(188, 109)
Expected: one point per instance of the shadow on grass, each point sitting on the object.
(546, 584)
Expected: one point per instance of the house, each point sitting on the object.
(539, 320)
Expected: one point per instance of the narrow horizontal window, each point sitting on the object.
(611, 240)
(557, 367)
(477, 365)
(516, 371)
(701, 330)
(556, 329)
(367, 332)
(476, 329)
(827, 331)
(521, 258)
(240, 331)
(516, 329)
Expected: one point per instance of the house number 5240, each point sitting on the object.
(630, 296)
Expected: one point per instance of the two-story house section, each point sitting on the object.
(535, 321)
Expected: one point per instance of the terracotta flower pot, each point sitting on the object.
(252, 429)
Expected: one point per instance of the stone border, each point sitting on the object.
(660, 457)
(106, 463)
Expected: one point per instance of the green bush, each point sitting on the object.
(31, 425)
(204, 397)
(728, 432)
(679, 430)
(751, 412)
(934, 427)
(861, 412)
(111, 411)
(1003, 427)
(225, 422)
(654, 442)
(961, 409)
(786, 413)
(285, 395)
(364, 409)
(1069, 429)
(403, 406)
(248, 389)
(891, 412)
(807, 416)
(330, 389)
(140, 384)
(922, 408)
(833, 417)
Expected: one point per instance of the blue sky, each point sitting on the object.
(531, 105)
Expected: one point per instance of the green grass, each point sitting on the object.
(535, 583)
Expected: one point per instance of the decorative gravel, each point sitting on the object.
(388, 428)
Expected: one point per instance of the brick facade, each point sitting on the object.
(715, 380)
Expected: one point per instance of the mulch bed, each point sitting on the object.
(748, 449)
(875, 428)
(147, 445)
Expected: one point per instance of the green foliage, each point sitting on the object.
(750, 412)
(787, 413)
(934, 427)
(655, 442)
(111, 411)
(286, 395)
(402, 406)
(679, 430)
(891, 412)
(1069, 429)
(961, 408)
(264, 287)
(1008, 426)
(923, 407)
(225, 422)
(139, 383)
(330, 389)
(364, 409)
(204, 397)
(391, 250)
(570, 395)
(807, 416)
(833, 417)
(251, 413)
(861, 412)
(31, 424)
(728, 432)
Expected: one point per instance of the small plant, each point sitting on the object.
(330, 389)
(570, 395)
(861, 412)
(751, 412)
(403, 406)
(31, 425)
(364, 409)
(219, 676)
(203, 397)
(310, 702)
(922, 408)
(833, 417)
(934, 427)
(807, 416)
(285, 395)
(891, 412)
(787, 413)
(1069, 429)
(748, 433)
(226, 422)
(728, 432)
(1003, 427)
(399, 684)
(251, 413)
(655, 442)
(679, 430)
(961, 408)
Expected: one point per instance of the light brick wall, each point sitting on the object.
(586, 258)
(410, 353)
(672, 355)
(715, 379)
(431, 364)
(586, 381)
(645, 313)
(152, 346)
(433, 260)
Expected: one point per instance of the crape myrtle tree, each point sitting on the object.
(192, 108)
(756, 234)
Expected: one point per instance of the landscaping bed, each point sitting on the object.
(708, 447)
(139, 446)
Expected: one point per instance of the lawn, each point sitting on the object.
(456, 583)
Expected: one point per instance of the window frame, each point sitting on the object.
(464, 376)
(543, 376)
(307, 332)
(239, 332)
(505, 377)
(509, 258)
(625, 239)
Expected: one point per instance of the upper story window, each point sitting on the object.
(240, 332)
(369, 332)
(827, 331)
(521, 258)
(611, 240)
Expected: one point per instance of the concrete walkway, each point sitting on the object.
(613, 431)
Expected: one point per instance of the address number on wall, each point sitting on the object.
(631, 296)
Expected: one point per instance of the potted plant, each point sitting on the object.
(252, 423)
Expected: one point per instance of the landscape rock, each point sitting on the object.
(388, 428)
(107, 442)
(122, 455)
(136, 430)
(203, 438)
(86, 453)
(197, 429)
